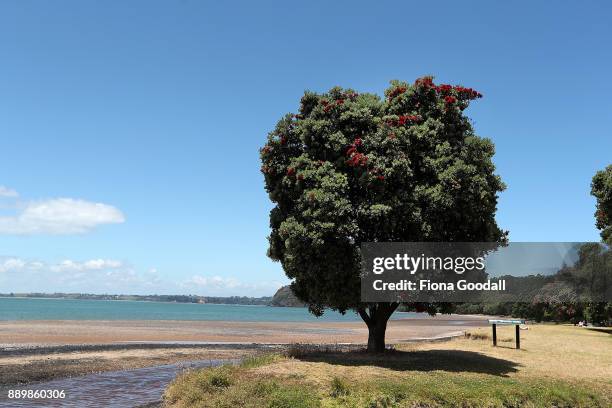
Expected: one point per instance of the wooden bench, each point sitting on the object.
(517, 322)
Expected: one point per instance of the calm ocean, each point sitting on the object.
(69, 309)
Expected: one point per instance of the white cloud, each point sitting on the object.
(90, 265)
(60, 216)
(87, 276)
(214, 282)
(8, 192)
(12, 264)
(99, 275)
(221, 286)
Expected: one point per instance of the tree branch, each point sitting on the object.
(364, 316)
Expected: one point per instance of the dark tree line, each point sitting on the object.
(558, 298)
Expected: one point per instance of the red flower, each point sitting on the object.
(450, 99)
(467, 93)
(353, 147)
(340, 102)
(403, 119)
(357, 159)
(300, 177)
(444, 88)
(283, 140)
(425, 82)
(397, 91)
(290, 171)
(380, 177)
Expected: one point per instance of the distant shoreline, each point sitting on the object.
(218, 300)
(130, 300)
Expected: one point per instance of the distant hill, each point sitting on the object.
(284, 297)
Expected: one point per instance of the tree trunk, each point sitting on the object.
(376, 320)
(376, 337)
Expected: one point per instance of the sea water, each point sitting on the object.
(78, 309)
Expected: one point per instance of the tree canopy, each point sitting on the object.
(601, 189)
(351, 168)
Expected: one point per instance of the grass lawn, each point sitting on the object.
(558, 366)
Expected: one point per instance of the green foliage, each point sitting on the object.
(260, 360)
(220, 380)
(292, 396)
(265, 388)
(215, 378)
(352, 168)
(339, 387)
(229, 387)
(601, 189)
(599, 312)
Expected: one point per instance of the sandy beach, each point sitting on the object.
(22, 333)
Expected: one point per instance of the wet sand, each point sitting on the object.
(59, 332)
(34, 365)
(32, 351)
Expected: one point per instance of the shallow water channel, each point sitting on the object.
(129, 388)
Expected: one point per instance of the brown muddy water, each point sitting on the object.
(113, 389)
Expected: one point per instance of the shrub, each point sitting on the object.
(219, 379)
(339, 387)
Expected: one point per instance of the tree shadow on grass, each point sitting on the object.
(606, 330)
(425, 360)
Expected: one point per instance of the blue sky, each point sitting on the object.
(156, 109)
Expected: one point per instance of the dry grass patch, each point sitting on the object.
(547, 351)
(559, 366)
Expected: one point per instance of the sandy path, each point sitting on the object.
(104, 331)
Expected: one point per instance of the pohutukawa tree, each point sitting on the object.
(601, 189)
(352, 168)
